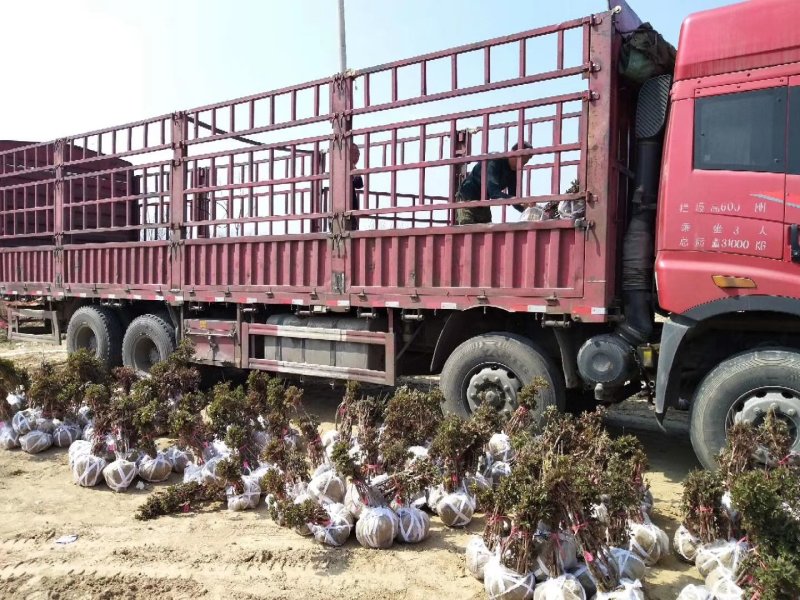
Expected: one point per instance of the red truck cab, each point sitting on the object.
(728, 256)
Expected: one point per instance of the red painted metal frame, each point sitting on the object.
(249, 201)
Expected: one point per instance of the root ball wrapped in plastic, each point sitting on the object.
(584, 577)
(9, 439)
(45, 425)
(456, 509)
(564, 587)
(177, 458)
(435, 493)
(87, 469)
(564, 547)
(627, 590)
(629, 566)
(24, 421)
(414, 525)
(478, 555)
(155, 469)
(720, 554)
(327, 488)
(249, 497)
(647, 542)
(356, 502)
(377, 527)
(725, 589)
(329, 438)
(499, 447)
(119, 475)
(64, 435)
(686, 544)
(502, 583)
(35, 442)
(78, 448)
(498, 471)
(695, 592)
(338, 528)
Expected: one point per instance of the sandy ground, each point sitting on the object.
(244, 555)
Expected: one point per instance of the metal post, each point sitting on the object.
(342, 39)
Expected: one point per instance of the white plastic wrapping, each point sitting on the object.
(119, 474)
(327, 488)
(9, 439)
(435, 493)
(695, 592)
(629, 566)
(248, 499)
(502, 583)
(45, 425)
(338, 528)
(329, 438)
(377, 527)
(88, 433)
(216, 448)
(600, 512)
(24, 421)
(477, 556)
(355, 503)
(646, 541)
(414, 525)
(685, 544)
(627, 590)
(720, 553)
(177, 458)
(78, 448)
(193, 472)
(725, 588)
(499, 447)
(572, 209)
(84, 416)
(498, 471)
(15, 401)
(260, 440)
(717, 574)
(35, 442)
(584, 577)
(155, 469)
(417, 453)
(567, 555)
(565, 587)
(87, 469)
(209, 472)
(456, 509)
(64, 435)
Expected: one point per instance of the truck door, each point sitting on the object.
(792, 213)
(733, 200)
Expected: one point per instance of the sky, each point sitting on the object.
(77, 65)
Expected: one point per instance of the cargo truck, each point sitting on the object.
(254, 229)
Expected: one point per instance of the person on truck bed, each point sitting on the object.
(501, 174)
(358, 184)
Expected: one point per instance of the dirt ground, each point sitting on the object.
(244, 555)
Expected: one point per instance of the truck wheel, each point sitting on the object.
(744, 388)
(97, 329)
(493, 368)
(148, 340)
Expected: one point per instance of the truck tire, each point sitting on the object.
(745, 387)
(498, 364)
(96, 328)
(148, 340)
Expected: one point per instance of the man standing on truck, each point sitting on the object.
(358, 184)
(501, 174)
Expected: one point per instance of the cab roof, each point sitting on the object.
(743, 36)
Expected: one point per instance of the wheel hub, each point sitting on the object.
(493, 385)
(784, 403)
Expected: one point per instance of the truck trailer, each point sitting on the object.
(312, 230)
